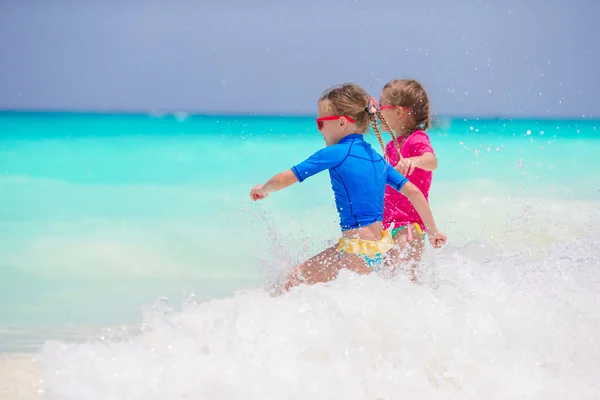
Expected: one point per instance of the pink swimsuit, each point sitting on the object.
(397, 208)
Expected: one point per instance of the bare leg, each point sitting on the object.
(324, 267)
(407, 252)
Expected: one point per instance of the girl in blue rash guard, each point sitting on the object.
(359, 176)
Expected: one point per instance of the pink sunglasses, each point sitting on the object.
(381, 108)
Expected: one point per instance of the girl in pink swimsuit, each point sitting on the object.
(405, 105)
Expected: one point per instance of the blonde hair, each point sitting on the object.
(353, 101)
(410, 94)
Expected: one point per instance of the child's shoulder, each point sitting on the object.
(414, 144)
(335, 150)
(418, 134)
(418, 138)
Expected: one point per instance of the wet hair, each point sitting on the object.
(410, 94)
(352, 100)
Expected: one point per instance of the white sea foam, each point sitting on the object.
(484, 323)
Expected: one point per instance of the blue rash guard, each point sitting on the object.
(358, 178)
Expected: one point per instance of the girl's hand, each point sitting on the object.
(257, 193)
(437, 238)
(406, 166)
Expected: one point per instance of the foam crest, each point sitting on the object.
(501, 327)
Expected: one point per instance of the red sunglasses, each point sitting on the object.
(331, 118)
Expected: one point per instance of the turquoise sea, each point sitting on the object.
(133, 265)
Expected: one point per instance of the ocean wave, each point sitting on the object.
(484, 322)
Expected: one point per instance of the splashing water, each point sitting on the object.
(497, 327)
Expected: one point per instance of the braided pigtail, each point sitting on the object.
(394, 138)
(372, 110)
(373, 119)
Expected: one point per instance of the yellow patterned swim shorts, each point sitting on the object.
(371, 251)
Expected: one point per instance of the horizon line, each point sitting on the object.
(265, 114)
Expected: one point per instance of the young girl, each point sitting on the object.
(359, 176)
(405, 107)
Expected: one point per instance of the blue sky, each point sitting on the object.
(501, 58)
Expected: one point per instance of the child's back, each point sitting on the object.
(359, 176)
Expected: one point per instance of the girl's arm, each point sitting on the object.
(418, 201)
(321, 160)
(436, 238)
(278, 182)
(420, 154)
(428, 162)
